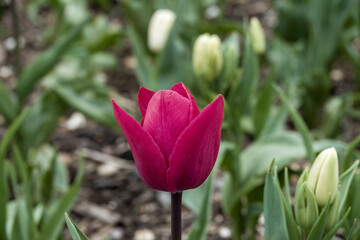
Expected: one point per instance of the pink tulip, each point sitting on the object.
(175, 146)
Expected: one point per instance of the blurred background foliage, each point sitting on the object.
(286, 102)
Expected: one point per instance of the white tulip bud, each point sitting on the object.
(257, 35)
(324, 176)
(160, 26)
(207, 57)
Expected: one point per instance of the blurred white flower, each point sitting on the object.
(160, 26)
(257, 36)
(207, 57)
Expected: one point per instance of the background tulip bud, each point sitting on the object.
(159, 28)
(207, 57)
(324, 176)
(333, 213)
(306, 209)
(257, 36)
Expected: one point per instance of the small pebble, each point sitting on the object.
(6, 72)
(10, 43)
(144, 234)
(224, 232)
(164, 198)
(76, 121)
(117, 234)
(337, 75)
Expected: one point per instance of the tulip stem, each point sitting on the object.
(176, 215)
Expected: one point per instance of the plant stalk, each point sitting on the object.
(176, 215)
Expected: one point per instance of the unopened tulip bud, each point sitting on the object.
(160, 26)
(324, 176)
(333, 213)
(257, 36)
(207, 57)
(306, 209)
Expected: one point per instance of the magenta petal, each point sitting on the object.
(144, 97)
(167, 116)
(182, 90)
(148, 158)
(196, 149)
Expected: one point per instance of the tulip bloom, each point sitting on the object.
(175, 146)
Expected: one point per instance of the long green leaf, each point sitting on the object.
(264, 101)
(241, 92)
(333, 231)
(97, 109)
(53, 225)
(4, 145)
(318, 229)
(299, 123)
(45, 63)
(274, 212)
(345, 181)
(75, 232)
(143, 70)
(25, 203)
(8, 105)
(349, 151)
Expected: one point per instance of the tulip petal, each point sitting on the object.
(166, 118)
(148, 158)
(196, 149)
(184, 91)
(144, 97)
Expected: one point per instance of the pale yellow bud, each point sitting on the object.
(160, 26)
(257, 35)
(324, 176)
(207, 57)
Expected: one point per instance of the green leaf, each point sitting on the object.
(41, 121)
(318, 229)
(25, 203)
(8, 105)
(287, 186)
(143, 71)
(11, 214)
(264, 101)
(350, 232)
(231, 57)
(299, 123)
(54, 222)
(242, 91)
(275, 122)
(345, 181)
(274, 212)
(333, 231)
(350, 150)
(283, 146)
(45, 62)
(198, 230)
(75, 232)
(97, 109)
(4, 145)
